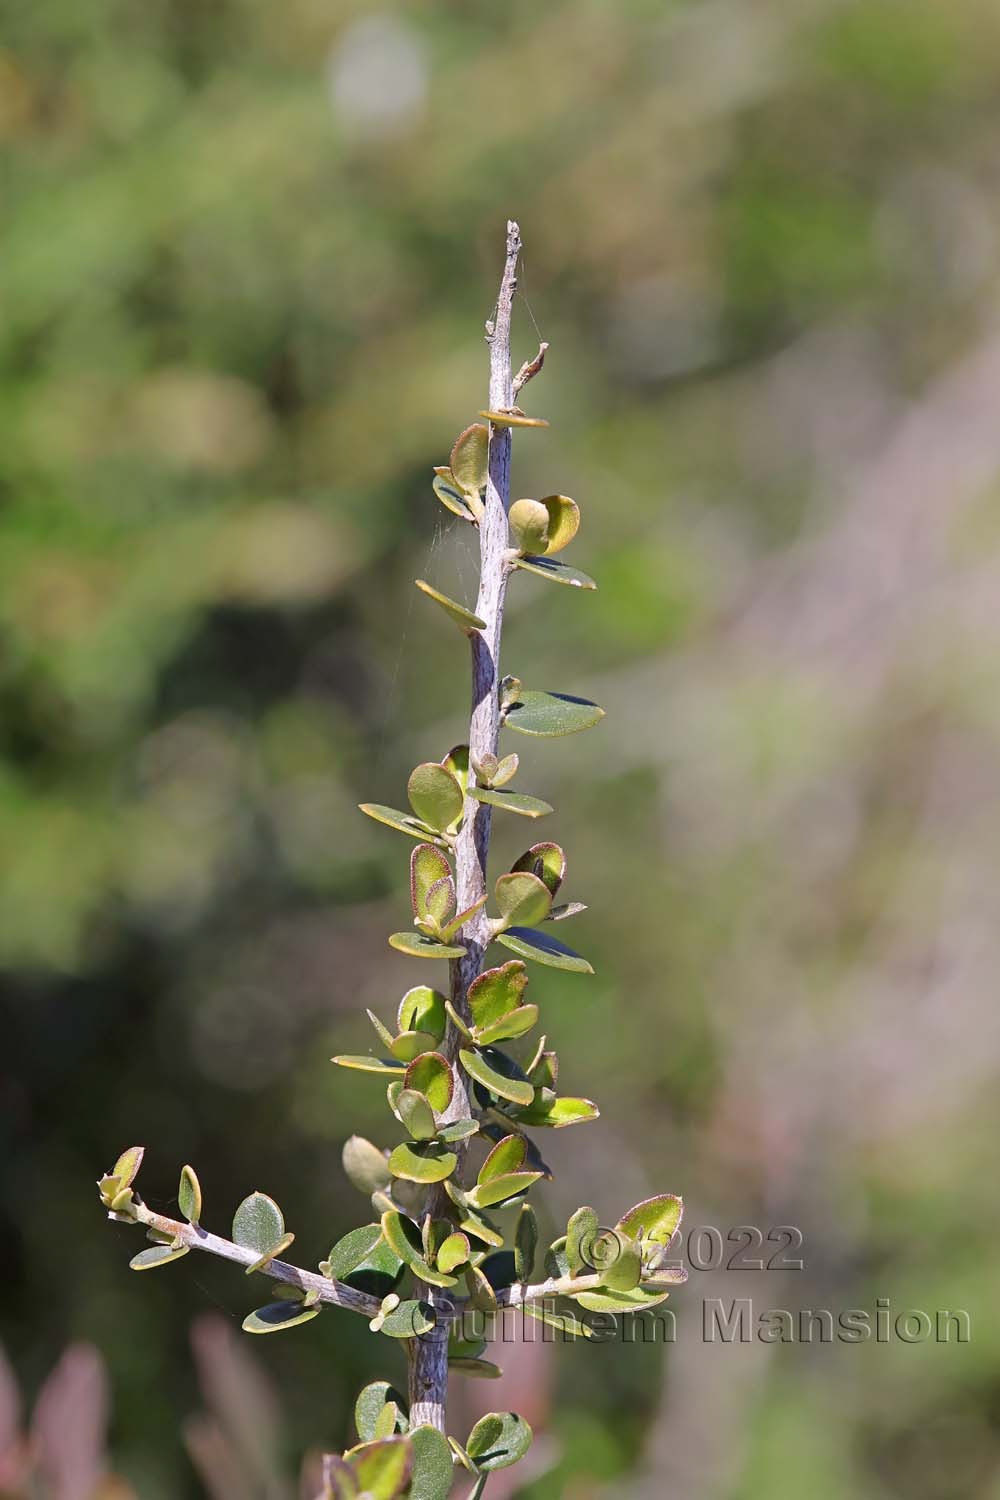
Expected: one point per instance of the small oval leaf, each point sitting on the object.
(470, 458)
(498, 1440)
(189, 1195)
(457, 613)
(157, 1255)
(522, 899)
(550, 715)
(353, 1250)
(422, 1163)
(387, 1067)
(258, 1223)
(419, 945)
(544, 949)
(422, 1009)
(435, 795)
(513, 802)
(477, 1067)
(529, 525)
(431, 1075)
(404, 822)
(564, 522)
(370, 1404)
(557, 572)
(278, 1316)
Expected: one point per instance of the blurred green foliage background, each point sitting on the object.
(248, 253)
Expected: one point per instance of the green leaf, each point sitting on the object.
(465, 1342)
(529, 525)
(157, 1255)
(454, 1252)
(278, 1248)
(419, 945)
(435, 795)
(410, 1044)
(567, 909)
(454, 927)
(499, 1189)
(507, 1156)
(430, 1074)
(378, 1275)
(127, 1166)
(496, 992)
(457, 763)
(568, 1324)
(462, 617)
(477, 1067)
(559, 1113)
(543, 1069)
(428, 865)
(549, 715)
(619, 1302)
(408, 1320)
(484, 1369)
(387, 1067)
(558, 572)
(277, 1316)
(422, 1163)
(523, 899)
(339, 1479)
(563, 516)
(388, 1422)
(258, 1223)
(471, 1222)
(383, 1033)
(581, 1232)
(432, 1465)
(450, 495)
(556, 1263)
(404, 822)
(525, 1242)
(654, 1219)
(513, 417)
(189, 1195)
(498, 1440)
(458, 1130)
(457, 1021)
(353, 1250)
(470, 458)
(440, 905)
(544, 949)
(416, 1114)
(545, 860)
(404, 1239)
(422, 1009)
(382, 1468)
(511, 1026)
(370, 1404)
(122, 1202)
(625, 1271)
(514, 802)
(461, 1455)
(481, 1292)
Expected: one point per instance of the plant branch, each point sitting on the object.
(556, 1286)
(196, 1238)
(429, 1355)
(529, 369)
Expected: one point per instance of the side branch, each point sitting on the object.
(196, 1238)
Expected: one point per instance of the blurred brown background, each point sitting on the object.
(248, 254)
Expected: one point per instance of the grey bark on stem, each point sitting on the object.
(335, 1293)
(429, 1355)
